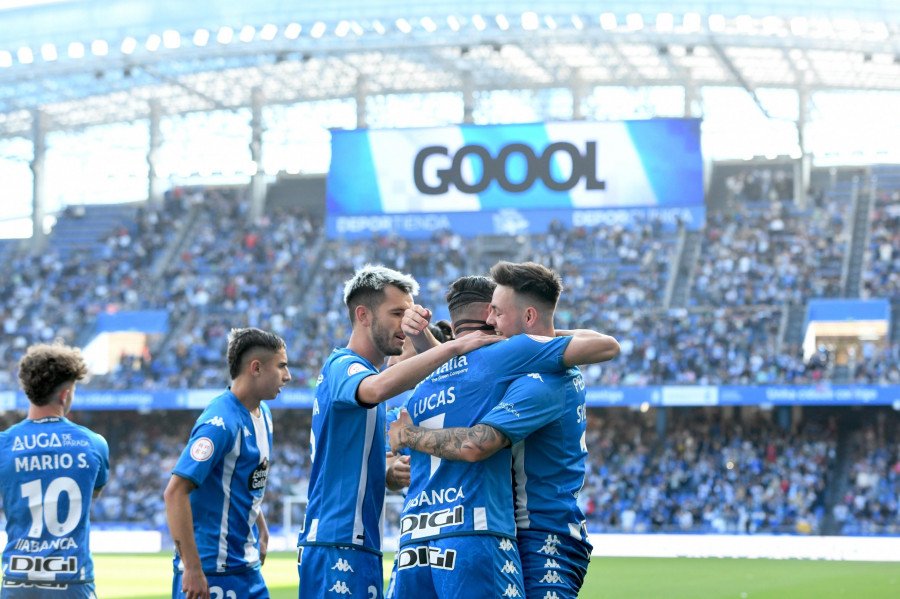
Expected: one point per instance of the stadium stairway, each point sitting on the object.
(793, 329)
(862, 221)
(678, 294)
(838, 478)
(86, 228)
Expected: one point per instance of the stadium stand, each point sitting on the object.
(760, 259)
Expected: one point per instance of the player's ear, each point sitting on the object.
(531, 316)
(255, 367)
(363, 316)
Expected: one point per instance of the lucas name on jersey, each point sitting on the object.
(50, 461)
(434, 401)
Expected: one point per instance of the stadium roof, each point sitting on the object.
(90, 62)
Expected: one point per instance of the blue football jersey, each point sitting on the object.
(346, 484)
(227, 457)
(449, 497)
(49, 472)
(546, 425)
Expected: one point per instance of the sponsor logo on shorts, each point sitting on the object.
(509, 568)
(511, 591)
(26, 584)
(202, 449)
(410, 557)
(53, 564)
(550, 595)
(506, 545)
(342, 565)
(551, 563)
(356, 368)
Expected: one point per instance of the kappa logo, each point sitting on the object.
(549, 549)
(342, 565)
(511, 591)
(216, 421)
(551, 577)
(551, 563)
(247, 432)
(550, 595)
(506, 545)
(536, 376)
(341, 588)
(509, 568)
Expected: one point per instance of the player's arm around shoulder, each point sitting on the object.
(401, 377)
(588, 347)
(461, 444)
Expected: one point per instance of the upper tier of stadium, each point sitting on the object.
(90, 62)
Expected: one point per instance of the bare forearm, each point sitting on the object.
(403, 376)
(461, 444)
(181, 527)
(588, 347)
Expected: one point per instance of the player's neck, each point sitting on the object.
(38, 412)
(246, 398)
(362, 345)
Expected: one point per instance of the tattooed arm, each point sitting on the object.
(471, 444)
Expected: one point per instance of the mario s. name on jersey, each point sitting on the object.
(51, 460)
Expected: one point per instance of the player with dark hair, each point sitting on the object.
(50, 472)
(214, 497)
(457, 536)
(339, 550)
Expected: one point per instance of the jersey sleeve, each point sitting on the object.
(102, 449)
(210, 441)
(528, 404)
(524, 354)
(346, 374)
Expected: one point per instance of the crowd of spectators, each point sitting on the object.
(709, 471)
(771, 253)
(705, 473)
(871, 504)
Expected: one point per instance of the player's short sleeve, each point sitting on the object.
(528, 404)
(522, 354)
(211, 439)
(102, 449)
(346, 373)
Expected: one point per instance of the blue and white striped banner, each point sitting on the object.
(469, 169)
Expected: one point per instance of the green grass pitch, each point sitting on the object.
(150, 577)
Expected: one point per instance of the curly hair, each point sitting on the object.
(45, 368)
